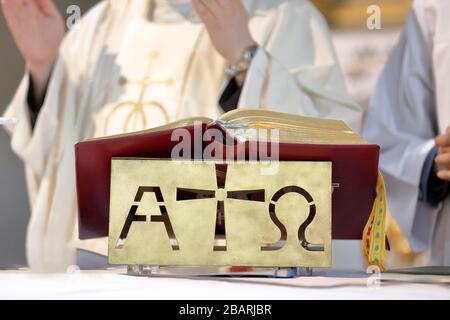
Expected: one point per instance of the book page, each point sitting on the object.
(169, 126)
(292, 128)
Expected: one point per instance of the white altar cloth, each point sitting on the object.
(114, 284)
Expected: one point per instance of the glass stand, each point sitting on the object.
(197, 271)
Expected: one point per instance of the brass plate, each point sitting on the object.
(166, 212)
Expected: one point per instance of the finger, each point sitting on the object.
(47, 7)
(212, 7)
(11, 8)
(443, 140)
(444, 150)
(223, 3)
(444, 175)
(18, 7)
(443, 159)
(232, 5)
(229, 9)
(203, 12)
(13, 11)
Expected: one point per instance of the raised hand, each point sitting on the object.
(227, 23)
(38, 29)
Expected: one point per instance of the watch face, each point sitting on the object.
(250, 52)
(244, 63)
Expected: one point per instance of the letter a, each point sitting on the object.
(374, 20)
(133, 217)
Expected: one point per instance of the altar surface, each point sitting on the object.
(115, 284)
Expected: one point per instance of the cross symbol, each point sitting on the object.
(147, 80)
(221, 194)
(140, 104)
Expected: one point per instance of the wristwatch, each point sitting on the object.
(244, 63)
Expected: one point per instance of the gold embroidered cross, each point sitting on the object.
(147, 81)
(139, 106)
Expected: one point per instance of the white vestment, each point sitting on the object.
(128, 66)
(410, 107)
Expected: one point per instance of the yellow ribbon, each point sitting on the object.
(374, 236)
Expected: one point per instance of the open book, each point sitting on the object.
(354, 161)
(292, 128)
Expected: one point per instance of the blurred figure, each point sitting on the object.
(409, 117)
(134, 64)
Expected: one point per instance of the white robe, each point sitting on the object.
(295, 71)
(410, 107)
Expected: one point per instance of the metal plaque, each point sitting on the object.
(168, 213)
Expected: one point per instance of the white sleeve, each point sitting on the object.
(296, 70)
(254, 82)
(33, 146)
(18, 109)
(402, 120)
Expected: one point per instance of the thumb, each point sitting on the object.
(48, 8)
(11, 8)
(442, 140)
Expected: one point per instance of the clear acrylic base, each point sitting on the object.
(194, 271)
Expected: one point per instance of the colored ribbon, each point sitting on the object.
(374, 237)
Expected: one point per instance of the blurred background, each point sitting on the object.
(362, 53)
